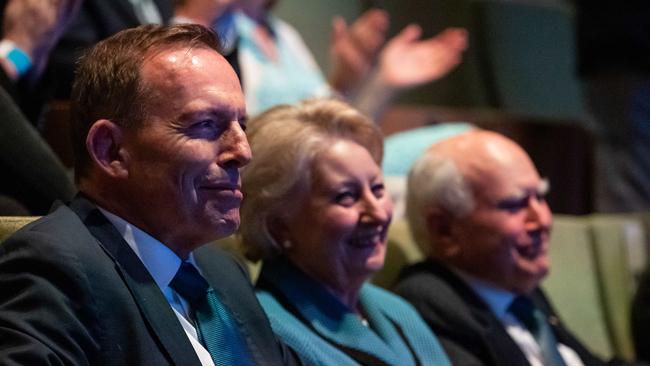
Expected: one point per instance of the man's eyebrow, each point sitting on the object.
(216, 112)
(542, 189)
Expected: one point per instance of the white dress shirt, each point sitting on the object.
(162, 263)
(499, 300)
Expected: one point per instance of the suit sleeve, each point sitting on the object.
(45, 316)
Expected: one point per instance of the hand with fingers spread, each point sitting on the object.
(406, 61)
(354, 48)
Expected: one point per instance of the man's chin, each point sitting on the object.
(530, 280)
(223, 224)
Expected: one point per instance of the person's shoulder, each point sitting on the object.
(420, 279)
(394, 306)
(439, 296)
(60, 228)
(385, 297)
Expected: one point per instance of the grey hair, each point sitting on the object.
(285, 141)
(435, 182)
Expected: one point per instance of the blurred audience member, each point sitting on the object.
(614, 61)
(33, 176)
(96, 20)
(30, 29)
(276, 66)
(476, 208)
(317, 213)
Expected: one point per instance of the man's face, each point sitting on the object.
(505, 239)
(184, 160)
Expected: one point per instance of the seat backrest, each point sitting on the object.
(526, 56)
(401, 252)
(573, 285)
(620, 251)
(10, 224)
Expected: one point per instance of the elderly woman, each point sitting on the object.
(315, 210)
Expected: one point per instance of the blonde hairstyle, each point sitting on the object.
(285, 140)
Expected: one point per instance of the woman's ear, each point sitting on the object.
(105, 145)
(279, 231)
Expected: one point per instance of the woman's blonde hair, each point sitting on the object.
(285, 140)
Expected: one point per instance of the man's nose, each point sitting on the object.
(539, 214)
(235, 151)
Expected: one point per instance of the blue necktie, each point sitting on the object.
(527, 313)
(217, 330)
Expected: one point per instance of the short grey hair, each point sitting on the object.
(435, 181)
(284, 141)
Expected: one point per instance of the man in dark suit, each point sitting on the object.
(117, 277)
(476, 207)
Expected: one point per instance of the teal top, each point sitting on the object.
(308, 318)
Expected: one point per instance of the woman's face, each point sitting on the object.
(338, 232)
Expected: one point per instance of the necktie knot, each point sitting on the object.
(189, 283)
(523, 308)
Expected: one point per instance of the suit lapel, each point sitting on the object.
(487, 329)
(151, 302)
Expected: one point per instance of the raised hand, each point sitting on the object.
(406, 61)
(354, 49)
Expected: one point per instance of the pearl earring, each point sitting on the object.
(286, 244)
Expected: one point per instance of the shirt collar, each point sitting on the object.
(497, 299)
(161, 262)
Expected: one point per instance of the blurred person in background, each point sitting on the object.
(476, 207)
(33, 176)
(276, 66)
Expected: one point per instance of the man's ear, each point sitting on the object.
(105, 145)
(440, 224)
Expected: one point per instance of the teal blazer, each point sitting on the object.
(325, 332)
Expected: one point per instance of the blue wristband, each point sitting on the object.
(18, 58)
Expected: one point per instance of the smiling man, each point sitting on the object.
(117, 277)
(476, 207)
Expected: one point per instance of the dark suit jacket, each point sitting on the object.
(468, 330)
(74, 293)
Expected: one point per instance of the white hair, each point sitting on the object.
(435, 182)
